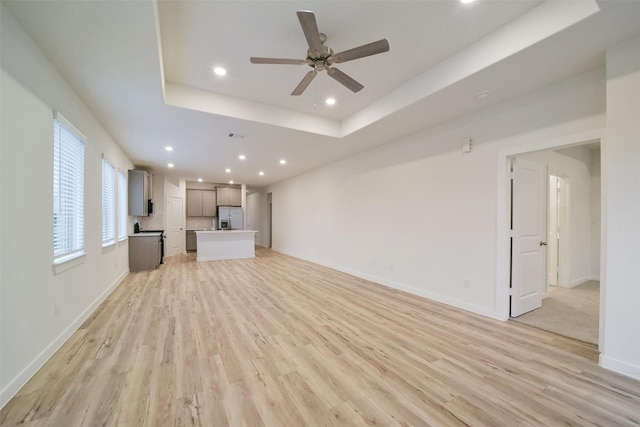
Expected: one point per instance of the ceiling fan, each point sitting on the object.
(321, 57)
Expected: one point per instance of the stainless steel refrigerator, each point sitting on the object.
(230, 218)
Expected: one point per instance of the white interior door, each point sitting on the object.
(528, 257)
(175, 228)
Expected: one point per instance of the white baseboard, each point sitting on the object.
(581, 281)
(463, 305)
(620, 367)
(32, 367)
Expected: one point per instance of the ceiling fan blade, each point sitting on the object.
(341, 77)
(310, 28)
(255, 60)
(361, 51)
(304, 83)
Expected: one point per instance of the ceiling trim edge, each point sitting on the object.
(520, 34)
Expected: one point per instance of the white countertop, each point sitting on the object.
(224, 231)
(145, 234)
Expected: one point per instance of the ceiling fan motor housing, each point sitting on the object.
(319, 60)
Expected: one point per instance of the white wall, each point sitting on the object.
(621, 160)
(30, 331)
(418, 214)
(575, 163)
(257, 216)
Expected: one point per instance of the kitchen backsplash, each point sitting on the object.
(156, 222)
(152, 222)
(198, 223)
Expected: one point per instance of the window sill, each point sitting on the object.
(67, 262)
(123, 241)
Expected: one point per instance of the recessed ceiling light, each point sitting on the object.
(283, 161)
(170, 165)
(330, 101)
(242, 157)
(199, 179)
(220, 71)
(465, 1)
(230, 182)
(227, 170)
(261, 173)
(168, 148)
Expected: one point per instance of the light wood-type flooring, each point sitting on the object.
(277, 341)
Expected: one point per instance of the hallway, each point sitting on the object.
(570, 312)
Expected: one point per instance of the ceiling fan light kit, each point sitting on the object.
(321, 57)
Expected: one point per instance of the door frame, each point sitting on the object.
(563, 280)
(503, 252)
(270, 219)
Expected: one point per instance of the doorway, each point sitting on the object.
(569, 297)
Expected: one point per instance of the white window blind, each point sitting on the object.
(122, 206)
(68, 191)
(108, 203)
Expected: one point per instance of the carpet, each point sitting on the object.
(571, 312)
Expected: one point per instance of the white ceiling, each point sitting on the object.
(145, 70)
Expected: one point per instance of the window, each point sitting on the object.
(122, 206)
(68, 191)
(108, 203)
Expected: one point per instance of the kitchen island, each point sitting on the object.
(231, 244)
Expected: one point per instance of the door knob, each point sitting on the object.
(543, 243)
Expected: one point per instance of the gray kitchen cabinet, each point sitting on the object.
(194, 202)
(235, 197)
(201, 203)
(222, 196)
(228, 196)
(192, 241)
(145, 251)
(139, 192)
(208, 203)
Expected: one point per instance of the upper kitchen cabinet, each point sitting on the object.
(201, 203)
(208, 203)
(228, 196)
(194, 202)
(139, 193)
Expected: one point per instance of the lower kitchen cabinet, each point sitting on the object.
(145, 251)
(192, 242)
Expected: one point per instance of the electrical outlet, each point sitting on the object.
(56, 309)
(466, 283)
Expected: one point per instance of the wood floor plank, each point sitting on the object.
(277, 341)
